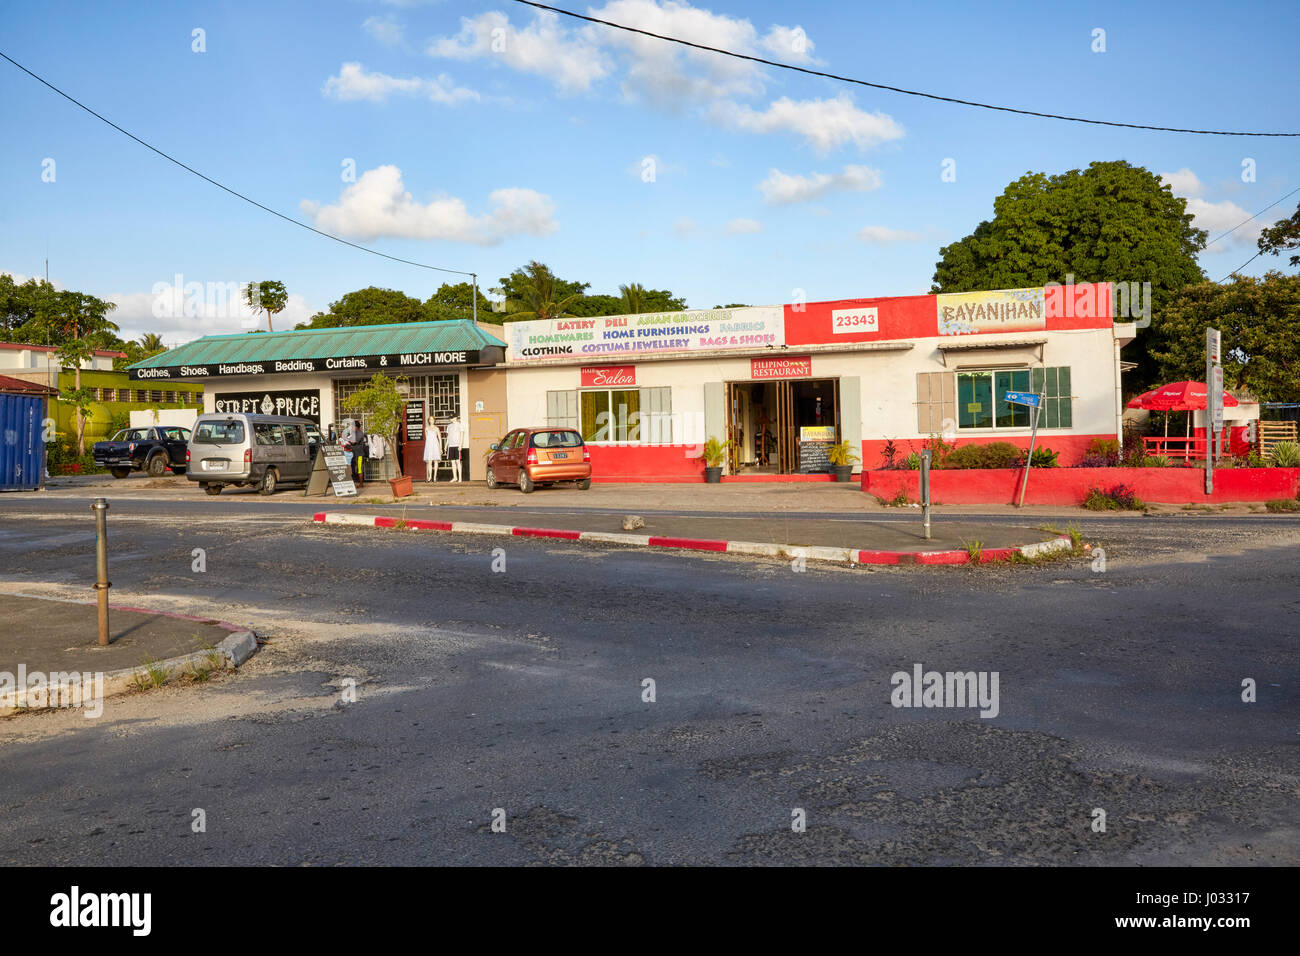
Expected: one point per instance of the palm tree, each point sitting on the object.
(151, 343)
(537, 293)
(633, 298)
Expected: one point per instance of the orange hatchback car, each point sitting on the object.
(529, 457)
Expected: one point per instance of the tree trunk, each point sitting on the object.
(76, 413)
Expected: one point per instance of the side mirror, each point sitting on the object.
(492, 447)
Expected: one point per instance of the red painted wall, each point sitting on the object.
(1069, 448)
(666, 463)
(1069, 486)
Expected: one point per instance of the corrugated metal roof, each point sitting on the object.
(451, 336)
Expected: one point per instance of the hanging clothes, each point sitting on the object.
(432, 443)
(455, 434)
(375, 446)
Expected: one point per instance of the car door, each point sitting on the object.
(177, 442)
(505, 462)
(297, 466)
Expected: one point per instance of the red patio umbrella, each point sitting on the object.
(1177, 397)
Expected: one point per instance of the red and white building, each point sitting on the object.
(783, 381)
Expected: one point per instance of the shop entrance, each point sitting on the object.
(766, 421)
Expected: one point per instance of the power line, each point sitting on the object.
(882, 86)
(209, 179)
(1240, 267)
(1256, 216)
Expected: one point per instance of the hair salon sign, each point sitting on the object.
(609, 376)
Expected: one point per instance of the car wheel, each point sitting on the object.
(267, 486)
(212, 488)
(584, 484)
(525, 482)
(120, 472)
(491, 477)
(157, 466)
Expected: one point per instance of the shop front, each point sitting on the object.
(311, 373)
(783, 384)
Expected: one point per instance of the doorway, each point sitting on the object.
(765, 422)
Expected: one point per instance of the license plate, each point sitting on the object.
(214, 466)
(559, 454)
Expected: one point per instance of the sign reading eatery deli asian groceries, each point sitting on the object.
(611, 376)
(798, 367)
(1009, 310)
(624, 336)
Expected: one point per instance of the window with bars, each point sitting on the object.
(1054, 383)
(441, 394)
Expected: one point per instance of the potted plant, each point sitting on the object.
(841, 457)
(713, 455)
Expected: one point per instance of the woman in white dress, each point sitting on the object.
(432, 447)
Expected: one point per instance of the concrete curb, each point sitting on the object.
(236, 647)
(786, 552)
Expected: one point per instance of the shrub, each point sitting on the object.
(913, 461)
(1115, 498)
(998, 454)
(1286, 454)
(1156, 461)
(1282, 504)
(889, 456)
(1043, 458)
(1105, 448)
(1093, 460)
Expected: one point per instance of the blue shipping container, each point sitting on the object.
(22, 453)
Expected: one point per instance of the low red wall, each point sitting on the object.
(1069, 486)
(665, 463)
(1069, 448)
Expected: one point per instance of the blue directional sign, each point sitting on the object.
(1023, 398)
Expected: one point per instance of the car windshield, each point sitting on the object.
(557, 439)
(219, 433)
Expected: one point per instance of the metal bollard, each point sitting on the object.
(925, 492)
(102, 584)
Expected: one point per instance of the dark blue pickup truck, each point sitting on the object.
(153, 450)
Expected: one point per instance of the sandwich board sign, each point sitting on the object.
(331, 468)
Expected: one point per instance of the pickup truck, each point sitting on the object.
(153, 450)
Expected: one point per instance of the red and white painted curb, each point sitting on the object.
(783, 551)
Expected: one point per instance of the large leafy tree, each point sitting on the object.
(368, 306)
(1111, 222)
(1281, 236)
(455, 300)
(1259, 320)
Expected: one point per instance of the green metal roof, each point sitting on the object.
(451, 336)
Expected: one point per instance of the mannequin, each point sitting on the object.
(432, 447)
(455, 439)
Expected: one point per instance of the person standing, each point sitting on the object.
(359, 449)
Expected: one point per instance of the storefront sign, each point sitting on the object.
(415, 419)
(848, 321)
(396, 361)
(817, 433)
(814, 457)
(626, 335)
(1014, 310)
(303, 403)
(612, 376)
(798, 367)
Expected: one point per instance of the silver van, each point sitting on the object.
(242, 450)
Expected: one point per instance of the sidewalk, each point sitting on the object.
(45, 636)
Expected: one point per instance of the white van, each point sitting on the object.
(242, 450)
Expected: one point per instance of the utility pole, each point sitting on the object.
(474, 295)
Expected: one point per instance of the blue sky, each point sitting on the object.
(479, 150)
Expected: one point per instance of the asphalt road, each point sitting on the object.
(1118, 690)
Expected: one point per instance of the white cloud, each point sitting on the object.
(1217, 217)
(825, 124)
(740, 227)
(354, 83)
(685, 226)
(1183, 183)
(378, 205)
(19, 278)
(384, 29)
(882, 235)
(544, 47)
(789, 44)
(181, 309)
(780, 188)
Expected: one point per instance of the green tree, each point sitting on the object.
(455, 300)
(268, 296)
(368, 306)
(1259, 320)
(1282, 235)
(151, 343)
(1111, 222)
(80, 318)
(534, 292)
(633, 298)
(733, 305)
(382, 407)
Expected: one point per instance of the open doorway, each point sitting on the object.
(766, 422)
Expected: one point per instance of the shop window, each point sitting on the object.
(1057, 406)
(936, 402)
(611, 415)
(981, 398)
(562, 409)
